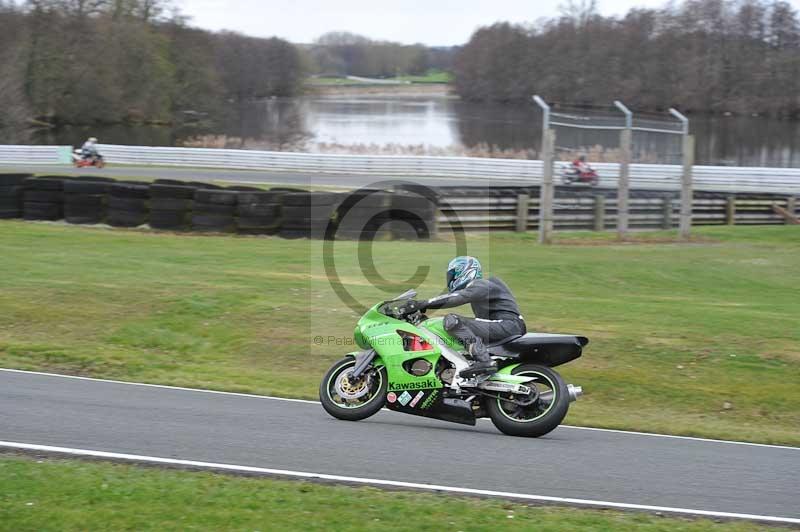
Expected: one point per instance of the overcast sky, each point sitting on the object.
(432, 22)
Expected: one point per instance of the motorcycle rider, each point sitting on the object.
(580, 166)
(89, 149)
(497, 314)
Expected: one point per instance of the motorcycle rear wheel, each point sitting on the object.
(352, 401)
(541, 416)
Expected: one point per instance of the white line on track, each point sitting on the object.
(388, 483)
(307, 401)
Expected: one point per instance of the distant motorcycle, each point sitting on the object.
(570, 175)
(80, 161)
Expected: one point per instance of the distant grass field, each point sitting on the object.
(434, 76)
(694, 339)
(332, 81)
(49, 494)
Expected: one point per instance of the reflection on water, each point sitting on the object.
(442, 122)
(381, 121)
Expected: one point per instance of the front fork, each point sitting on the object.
(363, 361)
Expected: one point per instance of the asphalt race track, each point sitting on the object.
(605, 468)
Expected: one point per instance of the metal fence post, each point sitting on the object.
(435, 226)
(545, 114)
(522, 212)
(623, 185)
(666, 213)
(685, 227)
(687, 194)
(547, 189)
(599, 212)
(730, 210)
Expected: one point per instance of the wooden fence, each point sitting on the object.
(521, 212)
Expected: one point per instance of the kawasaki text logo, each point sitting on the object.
(427, 383)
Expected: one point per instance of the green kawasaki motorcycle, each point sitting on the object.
(411, 364)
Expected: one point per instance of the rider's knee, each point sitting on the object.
(450, 322)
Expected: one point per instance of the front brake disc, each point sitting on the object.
(352, 390)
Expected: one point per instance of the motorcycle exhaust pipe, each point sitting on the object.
(573, 391)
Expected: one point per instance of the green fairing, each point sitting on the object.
(506, 370)
(380, 332)
(504, 375)
(436, 326)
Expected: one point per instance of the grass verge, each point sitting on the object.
(697, 339)
(53, 494)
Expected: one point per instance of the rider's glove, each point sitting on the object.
(411, 306)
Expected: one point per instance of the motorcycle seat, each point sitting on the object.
(540, 348)
(503, 341)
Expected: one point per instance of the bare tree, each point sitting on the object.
(579, 11)
(14, 125)
(702, 55)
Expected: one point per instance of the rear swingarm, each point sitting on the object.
(527, 402)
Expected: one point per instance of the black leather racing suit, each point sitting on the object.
(496, 312)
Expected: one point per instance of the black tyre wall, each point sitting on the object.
(306, 199)
(259, 198)
(85, 186)
(172, 220)
(127, 204)
(317, 212)
(44, 183)
(84, 208)
(11, 199)
(9, 180)
(170, 204)
(129, 190)
(120, 218)
(172, 191)
(213, 223)
(216, 197)
(213, 209)
(42, 211)
(44, 196)
(259, 209)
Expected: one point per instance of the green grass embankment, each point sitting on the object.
(63, 495)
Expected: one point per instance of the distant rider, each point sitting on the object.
(89, 149)
(580, 166)
(497, 314)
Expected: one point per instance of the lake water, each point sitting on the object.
(437, 124)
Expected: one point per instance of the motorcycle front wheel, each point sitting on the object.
(352, 400)
(535, 415)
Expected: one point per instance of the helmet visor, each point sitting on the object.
(451, 275)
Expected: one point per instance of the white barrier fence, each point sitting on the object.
(643, 176)
(20, 155)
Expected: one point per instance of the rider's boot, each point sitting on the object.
(482, 362)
